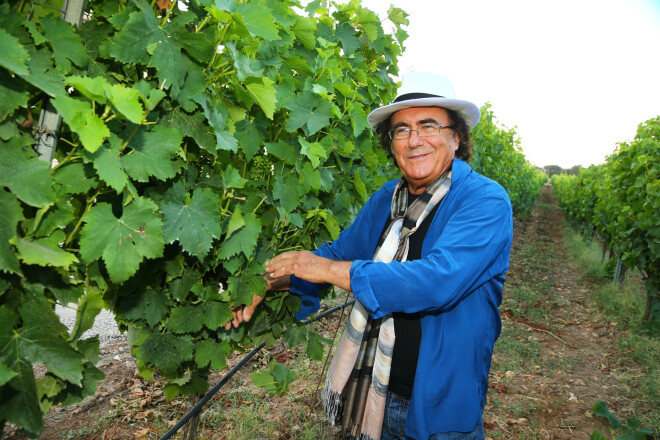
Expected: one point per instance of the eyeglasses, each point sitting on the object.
(424, 130)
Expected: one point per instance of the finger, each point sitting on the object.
(248, 311)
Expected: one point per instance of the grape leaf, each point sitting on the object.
(92, 88)
(282, 151)
(308, 111)
(398, 16)
(310, 178)
(44, 251)
(232, 179)
(81, 118)
(216, 314)
(264, 93)
(25, 175)
(6, 374)
(243, 240)
(122, 242)
(150, 306)
(88, 307)
(10, 215)
(42, 73)
(186, 319)
(193, 126)
(139, 32)
(13, 95)
(14, 55)
(349, 40)
(286, 191)
(249, 138)
(40, 340)
(169, 62)
(165, 351)
(358, 119)
(126, 101)
(194, 224)
(315, 344)
(258, 20)
(75, 177)
(314, 151)
(67, 44)
(152, 155)
(21, 406)
(304, 29)
(210, 352)
(107, 164)
(235, 221)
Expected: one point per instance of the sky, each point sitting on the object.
(573, 77)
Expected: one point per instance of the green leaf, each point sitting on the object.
(43, 73)
(21, 406)
(243, 240)
(310, 178)
(107, 164)
(314, 151)
(75, 177)
(349, 40)
(304, 29)
(122, 242)
(235, 221)
(211, 352)
(81, 118)
(263, 92)
(92, 88)
(14, 55)
(308, 111)
(25, 175)
(282, 151)
(315, 343)
(152, 154)
(286, 191)
(600, 409)
(169, 63)
(126, 101)
(186, 319)
(231, 178)
(359, 120)
(360, 187)
(44, 251)
(89, 307)
(216, 314)
(67, 44)
(140, 31)
(6, 374)
(194, 224)
(150, 306)
(398, 16)
(41, 340)
(13, 95)
(258, 20)
(332, 225)
(10, 215)
(165, 351)
(275, 380)
(193, 126)
(295, 335)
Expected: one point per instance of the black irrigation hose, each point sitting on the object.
(197, 408)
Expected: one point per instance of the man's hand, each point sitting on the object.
(244, 313)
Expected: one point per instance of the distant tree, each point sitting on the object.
(574, 171)
(550, 170)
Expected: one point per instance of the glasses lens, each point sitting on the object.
(400, 133)
(428, 130)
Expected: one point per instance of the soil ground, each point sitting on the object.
(546, 396)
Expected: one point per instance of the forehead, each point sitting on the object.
(414, 115)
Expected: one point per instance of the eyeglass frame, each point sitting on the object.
(410, 130)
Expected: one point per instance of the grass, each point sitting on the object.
(622, 306)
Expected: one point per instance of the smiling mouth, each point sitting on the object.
(418, 156)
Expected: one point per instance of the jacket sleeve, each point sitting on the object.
(472, 248)
(357, 242)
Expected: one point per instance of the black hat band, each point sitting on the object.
(409, 96)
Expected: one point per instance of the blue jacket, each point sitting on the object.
(456, 285)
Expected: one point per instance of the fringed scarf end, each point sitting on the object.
(332, 402)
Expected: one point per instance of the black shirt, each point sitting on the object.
(407, 326)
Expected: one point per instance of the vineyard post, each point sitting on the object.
(50, 120)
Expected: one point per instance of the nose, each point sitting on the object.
(414, 140)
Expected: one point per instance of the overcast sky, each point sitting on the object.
(574, 77)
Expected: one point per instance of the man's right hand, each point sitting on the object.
(244, 313)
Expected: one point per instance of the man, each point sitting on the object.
(425, 259)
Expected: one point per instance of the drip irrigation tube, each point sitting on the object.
(212, 392)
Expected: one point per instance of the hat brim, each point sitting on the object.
(469, 111)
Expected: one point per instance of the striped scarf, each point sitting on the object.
(356, 385)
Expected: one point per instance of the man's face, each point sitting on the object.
(423, 159)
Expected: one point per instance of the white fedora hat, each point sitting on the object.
(421, 89)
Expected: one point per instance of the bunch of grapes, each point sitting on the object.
(261, 168)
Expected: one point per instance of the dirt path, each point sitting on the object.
(551, 395)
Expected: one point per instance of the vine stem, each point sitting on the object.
(90, 202)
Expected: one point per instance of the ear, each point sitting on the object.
(457, 140)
